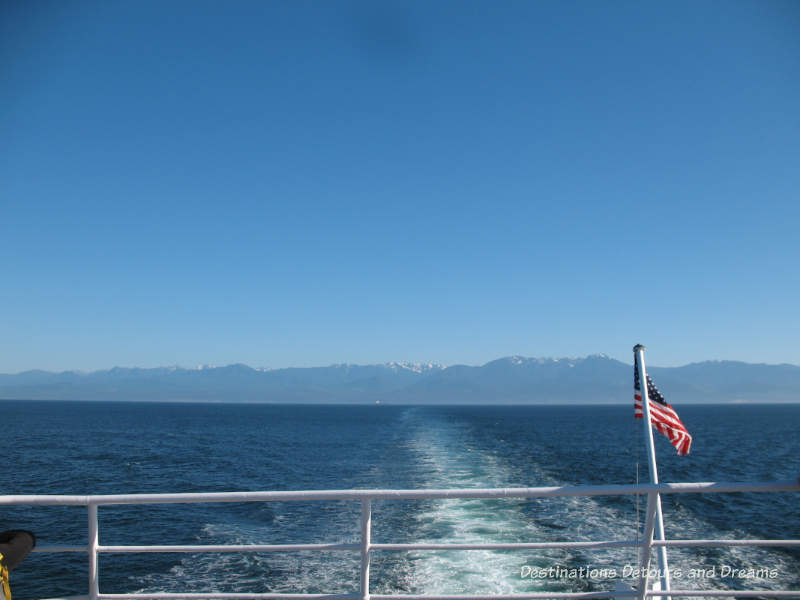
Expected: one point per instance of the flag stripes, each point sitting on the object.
(662, 416)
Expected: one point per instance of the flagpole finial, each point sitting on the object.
(638, 347)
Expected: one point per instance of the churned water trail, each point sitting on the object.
(447, 458)
(450, 456)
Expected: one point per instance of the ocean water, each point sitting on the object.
(102, 448)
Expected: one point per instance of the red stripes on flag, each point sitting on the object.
(666, 421)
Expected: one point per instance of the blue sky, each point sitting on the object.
(306, 183)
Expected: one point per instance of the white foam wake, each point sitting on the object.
(446, 456)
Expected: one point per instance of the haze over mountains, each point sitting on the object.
(595, 379)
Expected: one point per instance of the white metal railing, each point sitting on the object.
(365, 546)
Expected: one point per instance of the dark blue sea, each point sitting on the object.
(105, 448)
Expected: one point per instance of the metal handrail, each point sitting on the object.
(366, 547)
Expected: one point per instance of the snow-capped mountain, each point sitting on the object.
(513, 379)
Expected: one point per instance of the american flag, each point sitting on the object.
(662, 416)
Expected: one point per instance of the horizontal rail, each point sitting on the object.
(691, 543)
(267, 596)
(378, 494)
(199, 549)
(530, 596)
(224, 548)
(725, 593)
(607, 594)
(227, 596)
(365, 547)
(508, 546)
(534, 596)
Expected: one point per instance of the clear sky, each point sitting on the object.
(306, 183)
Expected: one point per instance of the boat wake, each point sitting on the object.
(450, 458)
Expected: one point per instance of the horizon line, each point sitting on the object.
(404, 363)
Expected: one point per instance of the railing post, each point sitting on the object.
(647, 543)
(366, 525)
(94, 581)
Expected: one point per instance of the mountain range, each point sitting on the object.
(595, 379)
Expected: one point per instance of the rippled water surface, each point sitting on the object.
(101, 448)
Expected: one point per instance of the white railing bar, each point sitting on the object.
(199, 549)
(728, 593)
(531, 596)
(404, 547)
(94, 581)
(366, 540)
(606, 594)
(688, 543)
(365, 546)
(270, 596)
(383, 494)
(227, 596)
(508, 546)
(599, 545)
(647, 544)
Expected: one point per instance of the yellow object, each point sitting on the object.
(4, 576)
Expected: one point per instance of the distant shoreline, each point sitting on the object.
(514, 380)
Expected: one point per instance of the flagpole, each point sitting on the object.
(661, 551)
